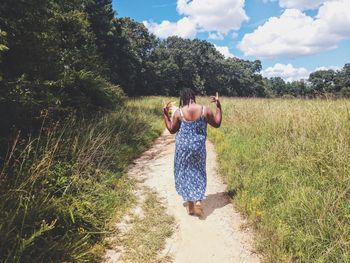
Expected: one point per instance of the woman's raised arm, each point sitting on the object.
(215, 120)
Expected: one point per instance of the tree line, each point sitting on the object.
(60, 56)
(325, 82)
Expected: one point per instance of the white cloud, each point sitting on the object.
(290, 73)
(327, 68)
(215, 36)
(287, 72)
(220, 15)
(224, 51)
(299, 4)
(184, 28)
(296, 34)
(216, 17)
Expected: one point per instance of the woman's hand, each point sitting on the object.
(215, 99)
(166, 108)
(172, 123)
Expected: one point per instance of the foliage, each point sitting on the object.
(50, 63)
(3, 45)
(60, 190)
(177, 63)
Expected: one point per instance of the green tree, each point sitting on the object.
(135, 70)
(342, 81)
(322, 81)
(278, 85)
(100, 14)
(242, 78)
(180, 63)
(51, 63)
(299, 88)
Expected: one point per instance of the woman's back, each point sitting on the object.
(193, 126)
(192, 112)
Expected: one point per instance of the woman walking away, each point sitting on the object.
(189, 123)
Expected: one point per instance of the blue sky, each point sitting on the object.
(291, 37)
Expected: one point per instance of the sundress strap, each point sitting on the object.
(202, 114)
(181, 113)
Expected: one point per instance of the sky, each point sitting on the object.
(292, 38)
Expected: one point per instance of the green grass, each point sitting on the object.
(60, 191)
(287, 163)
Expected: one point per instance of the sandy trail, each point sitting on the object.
(217, 236)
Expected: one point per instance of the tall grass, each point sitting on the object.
(287, 163)
(60, 190)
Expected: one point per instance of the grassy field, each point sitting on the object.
(61, 190)
(286, 162)
(287, 165)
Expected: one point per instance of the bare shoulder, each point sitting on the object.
(207, 112)
(177, 114)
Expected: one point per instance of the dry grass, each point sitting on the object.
(147, 236)
(287, 163)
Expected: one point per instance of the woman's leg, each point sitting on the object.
(190, 207)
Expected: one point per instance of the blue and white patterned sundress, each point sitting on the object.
(190, 158)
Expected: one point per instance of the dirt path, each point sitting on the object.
(217, 236)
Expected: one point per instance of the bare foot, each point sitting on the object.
(190, 208)
(199, 208)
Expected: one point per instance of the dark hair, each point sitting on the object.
(186, 95)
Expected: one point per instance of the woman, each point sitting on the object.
(190, 123)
